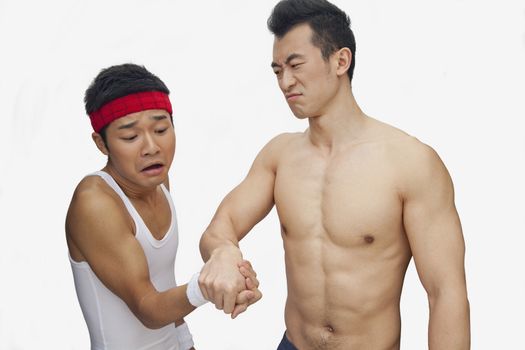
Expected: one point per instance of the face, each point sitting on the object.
(141, 147)
(307, 81)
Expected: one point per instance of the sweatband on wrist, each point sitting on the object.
(184, 337)
(128, 104)
(194, 293)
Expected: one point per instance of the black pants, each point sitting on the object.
(286, 344)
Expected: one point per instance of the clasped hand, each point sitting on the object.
(230, 283)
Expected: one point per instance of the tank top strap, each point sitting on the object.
(170, 200)
(113, 184)
(141, 229)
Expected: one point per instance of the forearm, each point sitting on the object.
(449, 326)
(220, 234)
(158, 309)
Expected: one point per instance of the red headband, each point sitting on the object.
(128, 104)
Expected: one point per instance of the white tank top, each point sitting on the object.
(111, 324)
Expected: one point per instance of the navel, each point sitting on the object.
(369, 239)
(329, 329)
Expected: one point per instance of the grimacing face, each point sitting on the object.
(141, 147)
(307, 81)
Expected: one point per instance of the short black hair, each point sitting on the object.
(118, 81)
(330, 25)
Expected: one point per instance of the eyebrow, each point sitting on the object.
(127, 126)
(288, 59)
(132, 124)
(158, 117)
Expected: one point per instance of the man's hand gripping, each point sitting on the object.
(229, 282)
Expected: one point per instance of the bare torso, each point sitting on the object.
(341, 217)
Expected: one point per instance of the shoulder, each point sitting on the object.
(94, 203)
(282, 141)
(420, 167)
(274, 149)
(93, 190)
(415, 156)
(403, 148)
(416, 164)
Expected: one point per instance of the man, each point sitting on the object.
(121, 226)
(356, 199)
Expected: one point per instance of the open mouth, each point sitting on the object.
(153, 167)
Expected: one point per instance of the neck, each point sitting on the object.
(133, 191)
(341, 123)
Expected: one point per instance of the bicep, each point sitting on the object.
(433, 227)
(104, 237)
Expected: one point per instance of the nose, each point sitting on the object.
(150, 146)
(287, 80)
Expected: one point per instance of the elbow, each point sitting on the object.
(149, 323)
(456, 297)
(148, 320)
(144, 312)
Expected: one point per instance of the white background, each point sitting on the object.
(451, 72)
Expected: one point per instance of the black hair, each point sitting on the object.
(330, 25)
(118, 81)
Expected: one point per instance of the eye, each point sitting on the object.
(161, 131)
(296, 65)
(129, 138)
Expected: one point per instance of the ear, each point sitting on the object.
(100, 143)
(344, 59)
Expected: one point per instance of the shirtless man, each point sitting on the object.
(121, 226)
(356, 199)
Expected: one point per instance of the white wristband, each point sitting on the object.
(184, 337)
(193, 292)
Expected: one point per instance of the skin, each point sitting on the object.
(356, 199)
(100, 230)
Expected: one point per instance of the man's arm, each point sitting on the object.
(434, 231)
(97, 227)
(238, 213)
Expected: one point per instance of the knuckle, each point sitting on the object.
(218, 285)
(202, 280)
(234, 287)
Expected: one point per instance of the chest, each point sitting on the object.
(157, 219)
(352, 197)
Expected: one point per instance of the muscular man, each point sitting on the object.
(356, 199)
(121, 226)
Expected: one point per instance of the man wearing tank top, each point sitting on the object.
(356, 199)
(121, 226)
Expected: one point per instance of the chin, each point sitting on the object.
(153, 181)
(299, 114)
(153, 184)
